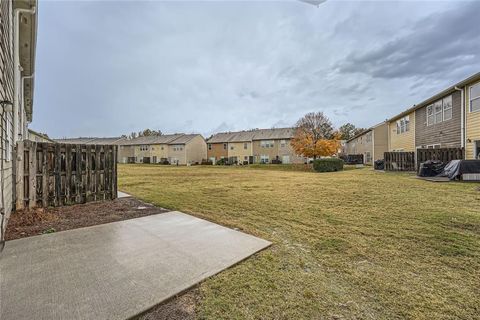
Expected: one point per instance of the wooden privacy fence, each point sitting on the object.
(442, 154)
(55, 174)
(399, 161)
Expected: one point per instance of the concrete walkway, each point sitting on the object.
(116, 270)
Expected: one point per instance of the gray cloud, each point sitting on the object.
(447, 41)
(106, 69)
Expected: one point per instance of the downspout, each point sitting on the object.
(24, 113)
(16, 70)
(462, 121)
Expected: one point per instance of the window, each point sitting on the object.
(224, 146)
(231, 147)
(245, 146)
(477, 149)
(447, 108)
(403, 125)
(209, 146)
(283, 143)
(430, 117)
(143, 148)
(161, 147)
(177, 147)
(266, 143)
(245, 158)
(264, 159)
(433, 146)
(437, 109)
(440, 111)
(369, 137)
(475, 98)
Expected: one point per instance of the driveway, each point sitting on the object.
(115, 270)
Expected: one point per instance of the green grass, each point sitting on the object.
(352, 244)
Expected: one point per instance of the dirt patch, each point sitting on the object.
(179, 308)
(34, 222)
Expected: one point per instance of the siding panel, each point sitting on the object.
(446, 133)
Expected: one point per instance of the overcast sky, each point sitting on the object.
(110, 68)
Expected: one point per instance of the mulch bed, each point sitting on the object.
(33, 222)
(29, 223)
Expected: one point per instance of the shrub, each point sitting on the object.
(328, 165)
(207, 162)
(221, 162)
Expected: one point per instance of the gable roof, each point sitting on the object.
(163, 139)
(250, 135)
(183, 139)
(437, 96)
(91, 140)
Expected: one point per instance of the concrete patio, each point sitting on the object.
(115, 270)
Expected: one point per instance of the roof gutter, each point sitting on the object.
(17, 69)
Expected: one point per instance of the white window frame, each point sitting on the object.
(449, 108)
(471, 98)
(245, 145)
(439, 112)
(209, 146)
(432, 115)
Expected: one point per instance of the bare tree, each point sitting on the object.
(317, 125)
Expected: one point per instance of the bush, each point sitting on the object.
(221, 162)
(207, 162)
(328, 165)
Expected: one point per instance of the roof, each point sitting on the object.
(256, 134)
(91, 140)
(366, 131)
(439, 95)
(178, 138)
(42, 135)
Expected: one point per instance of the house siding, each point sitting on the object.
(196, 150)
(6, 93)
(177, 155)
(237, 150)
(217, 151)
(446, 133)
(472, 132)
(361, 145)
(404, 141)
(125, 152)
(380, 141)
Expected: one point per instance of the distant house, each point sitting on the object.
(253, 146)
(371, 143)
(38, 137)
(179, 149)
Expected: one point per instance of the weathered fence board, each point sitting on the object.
(54, 174)
(399, 161)
(441, 154)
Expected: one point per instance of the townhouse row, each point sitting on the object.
(176, 149)
(253, 146)
(449, 119)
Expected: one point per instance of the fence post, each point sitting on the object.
(19, 176)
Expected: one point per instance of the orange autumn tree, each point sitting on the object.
(314, 136)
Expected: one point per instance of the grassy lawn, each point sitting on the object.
(352, 244)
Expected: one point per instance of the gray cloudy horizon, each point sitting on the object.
(110, 68)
